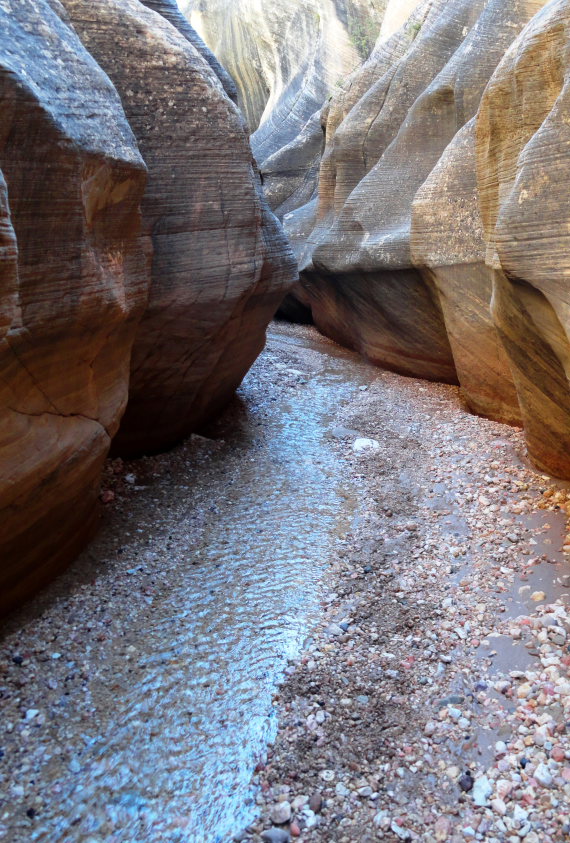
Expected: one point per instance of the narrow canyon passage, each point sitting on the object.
(139, 690)
(148, 670)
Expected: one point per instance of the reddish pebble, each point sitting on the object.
(557, 753)
(295, 830)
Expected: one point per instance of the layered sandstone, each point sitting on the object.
(74, 281)
(523, 145)
(448, 244)
(221, 263)
(287, 58)
(385, 133)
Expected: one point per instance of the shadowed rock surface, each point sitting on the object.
(71, 295)
(221, 263)
(523, 144)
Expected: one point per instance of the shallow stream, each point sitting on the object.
(151, 729)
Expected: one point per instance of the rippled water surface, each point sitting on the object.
(161, 745)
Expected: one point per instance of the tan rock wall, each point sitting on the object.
(70, 297)
(448, 244)
(214, 240)
(523, 149)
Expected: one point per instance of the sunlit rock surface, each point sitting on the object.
(74, 280)
(447, 242)
(385, 132)
(221, 263)
(287, 58)
(523, 148)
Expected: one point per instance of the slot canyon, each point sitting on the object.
(284, 421)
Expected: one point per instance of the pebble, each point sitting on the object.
(543, 775)
(466, 782)
(316, 803)
(281, 813)
(276, 835)
(360, 445)
(481, 791)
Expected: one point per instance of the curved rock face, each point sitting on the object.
(386, 131)
(74, 281)
(447, 243)
(221, 264)
(523, 146)
(170, 10)
(286, 57)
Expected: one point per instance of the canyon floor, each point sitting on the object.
(389, 615)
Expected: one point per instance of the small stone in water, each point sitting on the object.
(360, 445)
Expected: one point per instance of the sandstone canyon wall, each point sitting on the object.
(74, 285)
(134, 243)
(287, 58)
(220, 264)
(385, 133)
(426, 205)
(523, 157)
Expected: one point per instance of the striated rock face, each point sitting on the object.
(287, 57)
(523, 148)
(221, 264)
(385, 133)
(170, 10)
(447, 243)
(74, 281)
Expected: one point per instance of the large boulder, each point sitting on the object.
(221, 263)
(386, 131)
(523, 149)
(73, 285)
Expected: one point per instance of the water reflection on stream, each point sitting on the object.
(172, 757)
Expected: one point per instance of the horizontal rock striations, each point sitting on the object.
(448, 244)
(170, 10)
(385, 134)
(221, 264)
(287, 58)
(74, 283)
(523, 149)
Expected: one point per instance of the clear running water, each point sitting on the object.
(161, 742)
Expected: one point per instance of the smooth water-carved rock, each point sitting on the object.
(447, 243)
(221, 263)
(523, 146)
(74, 282)
(385, 133)
(287, 58)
